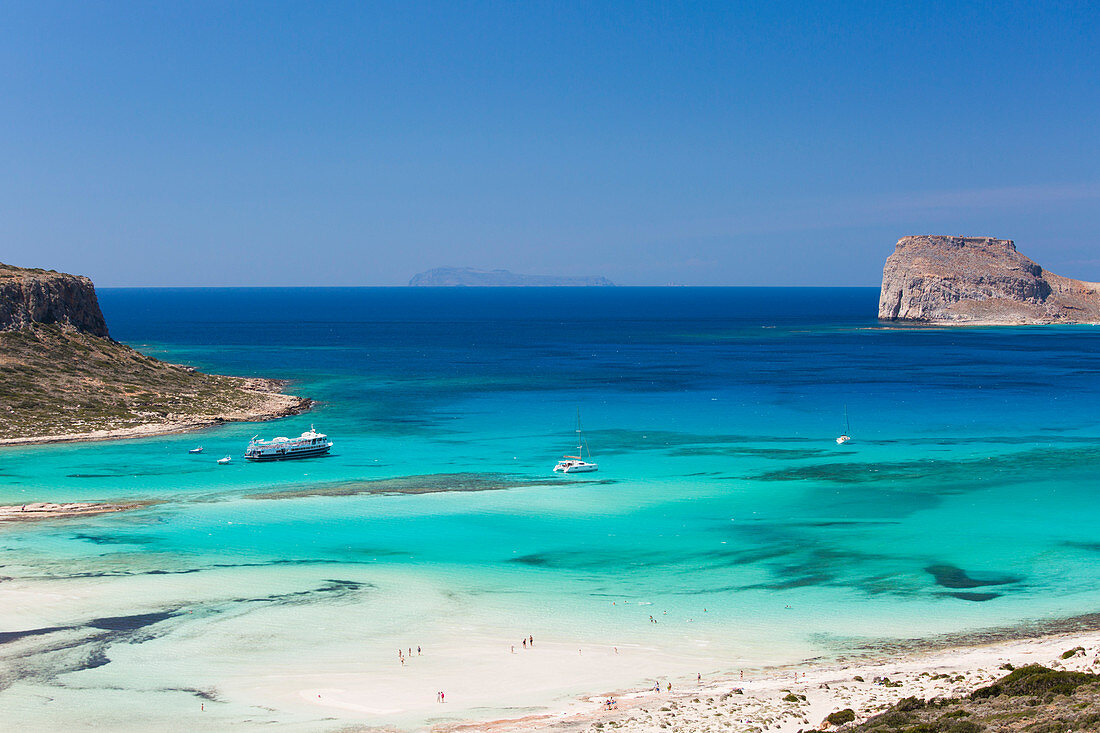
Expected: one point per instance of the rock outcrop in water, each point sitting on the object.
(469, 277)
(978, 280)
(45, 296)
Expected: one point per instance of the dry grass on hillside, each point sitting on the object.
(57, 381)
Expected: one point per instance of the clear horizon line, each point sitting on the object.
(465, 287)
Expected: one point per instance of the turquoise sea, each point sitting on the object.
(279, 593)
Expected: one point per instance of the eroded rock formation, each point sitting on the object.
(978, 280)
(45, 296)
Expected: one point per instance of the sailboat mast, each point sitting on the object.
(580, 437)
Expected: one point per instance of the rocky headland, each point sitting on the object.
(978, 281)
(63, 378)
(450, 277)
(32, 296)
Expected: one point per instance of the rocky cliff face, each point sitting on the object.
(978, 280)
(45, 296)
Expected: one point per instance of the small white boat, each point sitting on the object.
(577, 464)
(225, 460)
(196, 450)
(847, 429)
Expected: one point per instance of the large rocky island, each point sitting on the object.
(62, 377)
(450, 277)
(978, 281)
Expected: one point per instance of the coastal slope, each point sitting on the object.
(469, 277)
(63, 378)
(978, 281)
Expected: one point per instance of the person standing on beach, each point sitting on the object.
(524, 643)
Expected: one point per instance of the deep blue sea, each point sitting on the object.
(967, 500)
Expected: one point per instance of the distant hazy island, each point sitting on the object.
(978, 281)
(451, 277)
(62, 377)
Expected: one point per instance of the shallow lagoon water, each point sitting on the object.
(966, 500)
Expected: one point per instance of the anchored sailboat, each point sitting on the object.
(577, 464)
(847, 430)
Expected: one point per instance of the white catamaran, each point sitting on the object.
(577, 464)
(847, 429)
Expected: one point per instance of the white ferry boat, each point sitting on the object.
(309, 444)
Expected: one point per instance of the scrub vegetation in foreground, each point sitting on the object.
(1032, 699)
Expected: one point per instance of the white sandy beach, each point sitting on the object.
(236, 649)
(711, 705)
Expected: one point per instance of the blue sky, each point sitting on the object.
(772, 143)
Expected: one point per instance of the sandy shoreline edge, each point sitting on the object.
(269, 403)
(799, 697)
(50, 510)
